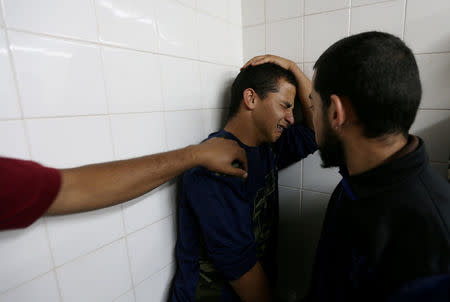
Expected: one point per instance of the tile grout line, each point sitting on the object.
(47, 235)
(303, 34)
(18, 95)
(86, 254)
(113, 144)
(265, 29)
(112, 45)
(404, 20)
(155, 273)
(314, 191)
(349, 19)
(311, 14)
(28, 143)
(106, 114)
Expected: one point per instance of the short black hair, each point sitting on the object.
(379, 75)
(263, 78)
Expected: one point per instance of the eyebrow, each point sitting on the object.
(287, 104)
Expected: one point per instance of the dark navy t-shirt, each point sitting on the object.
(226, 224)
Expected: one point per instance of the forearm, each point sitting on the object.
(303, 92)
(253, 286)
(100, 185)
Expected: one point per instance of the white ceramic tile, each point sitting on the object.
(316, 178)
(216, 81)
(180, 83)
(441, 169)
(128, 23)
(190, 3)
(138, 134)
(128, 297)
(365, 2)
(214, 38)
(133, 81)
(288, 243)
(308, 70)
(235, 9)
(319, 34)
(89, 230)
(68, 142)
(234, 52)
(24, 255)
(156, 288)
(386, 17)
(284, 38)
(290, 176)
(70, 18)
(254, 41)
(317, 6)
(214, 119)
(42, 289)
(99, 276)
(218, 8)
(152, 248)
(171, 17)
(433, 127)
(313, 207)
(289, 205)
(12, 136)
(57, 77)
(8, 93)
(312, 213)
(149, 208)
(427, 25)
(252, 12)
(184, 128)
(434, 74)
(284, 9)
(2, 22)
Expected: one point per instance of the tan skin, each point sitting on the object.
(361, 153)
(101, 185)
(303, 83)
(263, 120)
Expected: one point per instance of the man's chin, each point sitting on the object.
(330, 159)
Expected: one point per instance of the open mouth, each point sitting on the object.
(280, 128)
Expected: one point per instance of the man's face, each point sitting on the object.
(274, 113)
(330, 145)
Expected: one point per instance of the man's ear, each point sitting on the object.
(336, 112)
(249, 97)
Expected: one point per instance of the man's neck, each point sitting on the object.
(365, 154)
(244, 129)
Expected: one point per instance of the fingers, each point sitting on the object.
(237, 172)
(257, 61)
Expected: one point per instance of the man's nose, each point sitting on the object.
(290, 118)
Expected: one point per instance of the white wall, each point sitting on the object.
(86, 81)
(301, 30)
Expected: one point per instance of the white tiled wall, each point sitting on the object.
(301, 30)
(98, 80)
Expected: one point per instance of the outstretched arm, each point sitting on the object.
(304, 84)
(101, 185)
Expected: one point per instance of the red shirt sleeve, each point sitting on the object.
(27, 189)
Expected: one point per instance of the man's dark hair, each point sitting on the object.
(262, 78)
(378, 74)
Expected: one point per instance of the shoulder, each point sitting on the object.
(200, 179)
